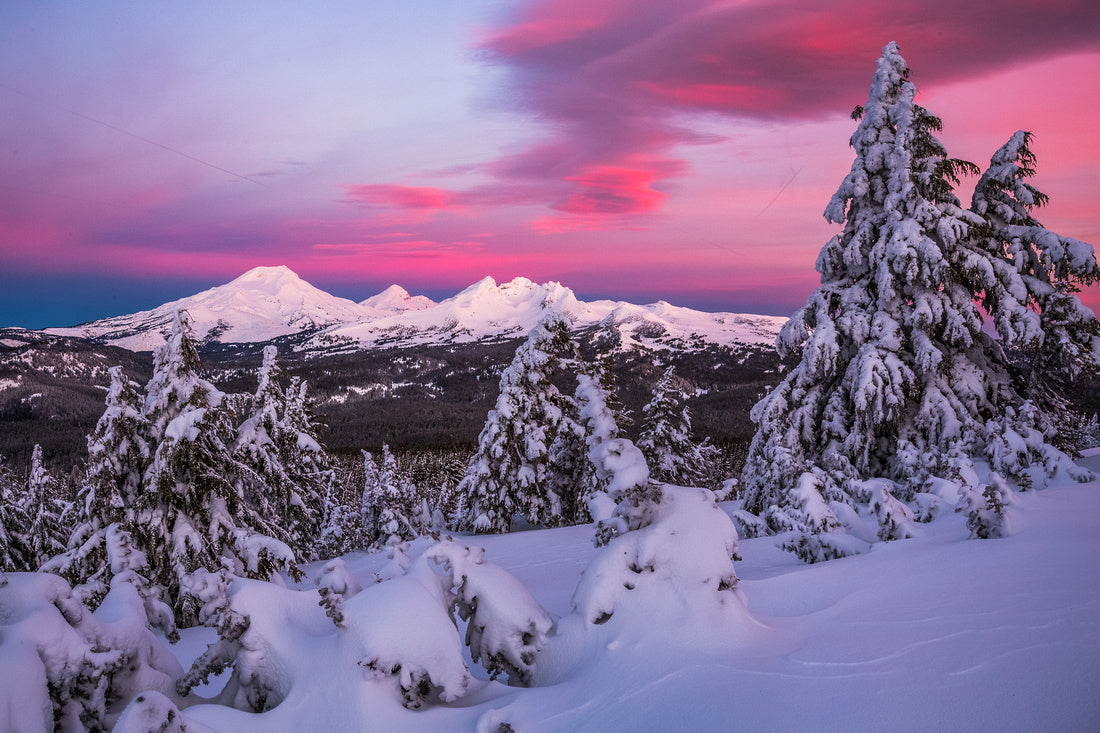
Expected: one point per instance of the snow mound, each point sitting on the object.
(680, 563)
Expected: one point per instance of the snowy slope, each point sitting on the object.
(935, 633)
(268, 302)
(262, 304)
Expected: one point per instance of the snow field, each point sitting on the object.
(939, 632)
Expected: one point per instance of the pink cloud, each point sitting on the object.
(616, 82)
(614, 78)
(403, 197)
(608, 189)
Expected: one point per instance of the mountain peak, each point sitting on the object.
(396, 299)
(266, 278)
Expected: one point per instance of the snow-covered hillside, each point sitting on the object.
(935, 633)
(268, 302)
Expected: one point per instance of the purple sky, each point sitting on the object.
(680, 150)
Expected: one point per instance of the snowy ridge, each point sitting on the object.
(269, 302)
(490, 311)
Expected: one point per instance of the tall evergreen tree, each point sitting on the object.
(307, 463)
(510, 472)
(397, 507)
(41, 505)
(1030, 288)
(192, 513)
(893, 375)
(118, 454)
(285, 486)
(13, 521)
(666, 442)
(370, 506)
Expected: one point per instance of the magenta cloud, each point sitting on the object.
(616, 83)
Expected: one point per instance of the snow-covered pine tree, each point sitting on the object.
(893, 376)
(269, 443)
(340, 531)
(509, 472)
(571, 473)
(1030, 290)
(889, 348)
(600, 426)
(118, 454)
(397, 510)
(45, 537)
(306, 462)
(13, 521)
(666, 441)
(192, 513)
(370, 507)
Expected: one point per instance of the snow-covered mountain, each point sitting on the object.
(396, 299)
(262, 304)
(269, 302)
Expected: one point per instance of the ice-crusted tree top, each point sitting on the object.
(267, 388)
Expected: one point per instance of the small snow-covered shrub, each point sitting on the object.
(629, 501)
(896, 521)
(403, 632)
(748, 525)
(334, 585)
(985, 510)
(818, 547)
(684, 555)
(506, 627)
(150, 712)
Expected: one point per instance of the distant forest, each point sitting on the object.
(431, 398)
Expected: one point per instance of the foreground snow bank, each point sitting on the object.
(64, 668)
(935, 632)
(393, 647)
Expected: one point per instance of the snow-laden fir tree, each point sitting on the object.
(666, 442)
(892, 371)
(192, 513)
(600, 426)
(13, 523)
(397, 506)
(270, 443)
(118, 454)
(509, 474)
(588, 420)
(1030, 288)
(370, 506)
(45, 536)
(306, 462)
(341, 530)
